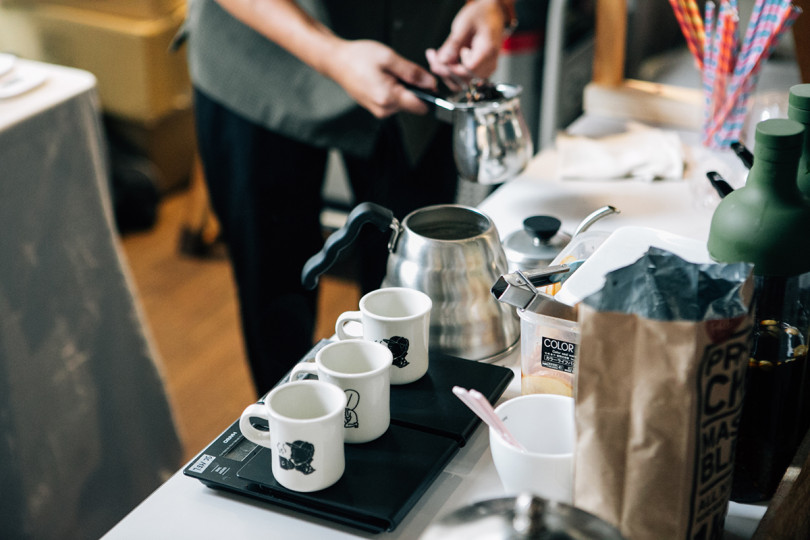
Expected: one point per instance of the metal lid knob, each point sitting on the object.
(541, 228)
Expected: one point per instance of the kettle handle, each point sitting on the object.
(339, 240)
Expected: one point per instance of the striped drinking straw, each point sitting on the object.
(695, 22)
(726, 55)
(709, 65)
(765, 38)
(690, 33)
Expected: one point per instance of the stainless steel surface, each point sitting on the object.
(531, 247)
(535, 246)
(519, 289)
(453, 254)
(523, 516)
(491, 141)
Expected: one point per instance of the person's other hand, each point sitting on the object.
(372, 74)
(471, 50)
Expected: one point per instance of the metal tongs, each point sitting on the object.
(519, 289)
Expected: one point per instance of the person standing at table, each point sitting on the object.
(277, 84)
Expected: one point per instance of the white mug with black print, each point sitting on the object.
(362, 369)
(305, 436)
(399, 318)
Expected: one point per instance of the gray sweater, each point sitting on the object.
(239, 68)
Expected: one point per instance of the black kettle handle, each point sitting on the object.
(339, 240)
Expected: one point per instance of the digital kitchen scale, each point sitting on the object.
(384, 478)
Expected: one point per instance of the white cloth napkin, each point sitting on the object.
(641, 152)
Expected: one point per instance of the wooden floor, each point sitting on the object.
(191, 311)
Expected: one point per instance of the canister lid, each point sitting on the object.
(537, 243)
(521, 517)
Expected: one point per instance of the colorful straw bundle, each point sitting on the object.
(730, 69)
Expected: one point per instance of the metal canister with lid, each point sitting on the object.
(540, 240)
(522, 517)
(536, 244)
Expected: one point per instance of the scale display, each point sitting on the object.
(384, 478)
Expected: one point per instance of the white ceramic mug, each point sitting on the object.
(544, 425)
(362, 369)
(306, 433)
(399, 318)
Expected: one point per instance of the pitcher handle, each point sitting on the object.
(441, 108)
(339, 240)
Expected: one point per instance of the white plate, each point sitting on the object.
(625, 246)
(6, 63)
(21, 80)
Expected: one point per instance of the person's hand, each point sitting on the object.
(372, 74)
(471, 50)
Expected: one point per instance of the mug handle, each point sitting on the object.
(303, 368)
(262, 438)
(343, 318)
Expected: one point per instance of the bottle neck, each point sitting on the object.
(771, 294)
(777, 173)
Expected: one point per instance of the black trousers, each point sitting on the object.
(265, 190)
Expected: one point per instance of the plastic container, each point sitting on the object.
(580, 248)
(548, 344)
(548, 348)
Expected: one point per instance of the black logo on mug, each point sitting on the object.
(298, 456)
(398, 346)
(350, 419)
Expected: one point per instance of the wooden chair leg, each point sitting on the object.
(610, 42)
(200, 231)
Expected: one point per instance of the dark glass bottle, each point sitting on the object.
(799, 110)
(773, 420)
(767, 223)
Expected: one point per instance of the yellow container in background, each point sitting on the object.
(142, 9)
(138, 77)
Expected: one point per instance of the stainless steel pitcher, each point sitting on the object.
(491, 141)
(452, 253)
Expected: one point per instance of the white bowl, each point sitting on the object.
(544, 425)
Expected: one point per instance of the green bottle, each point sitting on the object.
(799, 110)
(767, 223)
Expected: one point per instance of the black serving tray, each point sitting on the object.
(430, 405)
(382, 481)
(384, 478)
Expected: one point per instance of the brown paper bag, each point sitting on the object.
(657, 408)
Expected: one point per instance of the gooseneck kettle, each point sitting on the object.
(453, 254)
